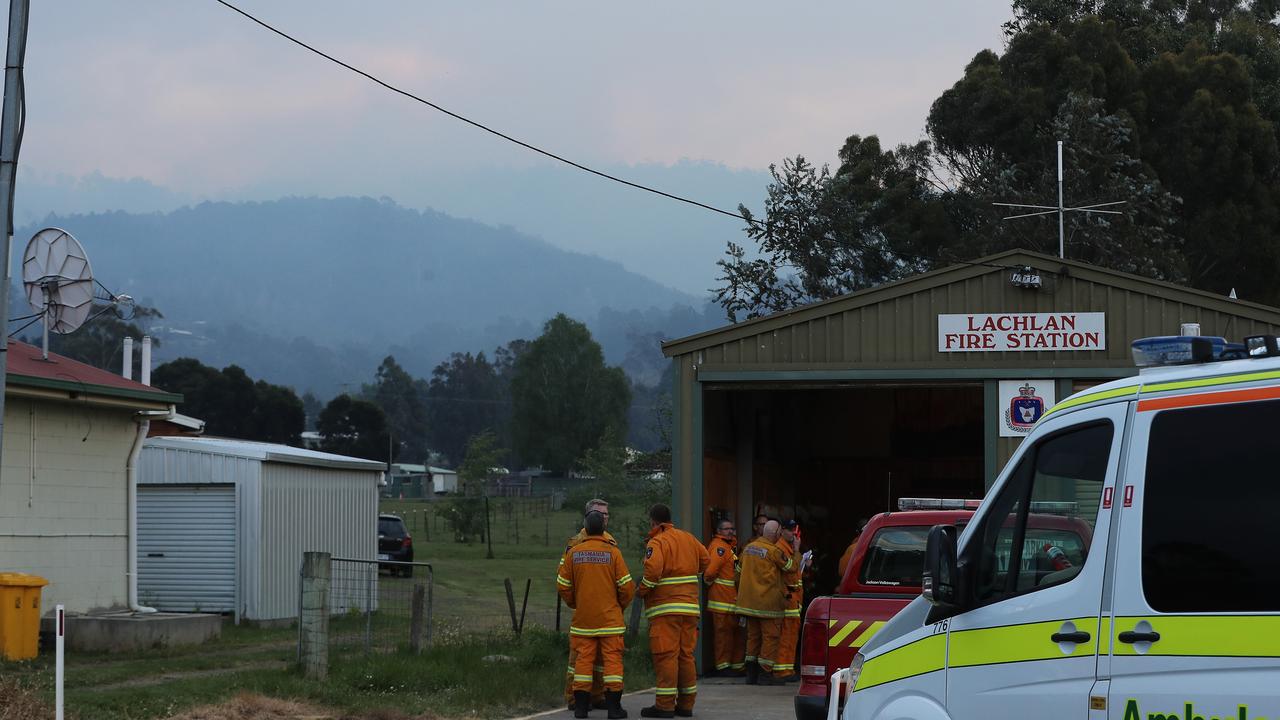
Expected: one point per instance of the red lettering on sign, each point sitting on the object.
(1128, 496)
(1106, 498)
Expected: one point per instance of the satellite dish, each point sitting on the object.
(58, 281)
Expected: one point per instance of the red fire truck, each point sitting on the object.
(884, 575)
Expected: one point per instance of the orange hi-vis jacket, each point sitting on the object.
(722, 595)
(673, 559)
(791, 580)
(760, 588)
(593, 580)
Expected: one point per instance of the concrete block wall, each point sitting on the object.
(67, 522)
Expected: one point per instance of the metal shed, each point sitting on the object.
(222, 523)
(830, 412)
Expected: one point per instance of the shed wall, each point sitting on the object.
(307, 509)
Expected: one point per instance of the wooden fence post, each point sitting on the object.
(416, 620)
(511, 604)
(313, 623)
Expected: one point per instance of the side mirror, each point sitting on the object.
(940, 580)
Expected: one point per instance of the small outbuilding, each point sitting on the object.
(223, 524)
(443, 480)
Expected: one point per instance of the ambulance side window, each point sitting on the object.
(1209, 533)
(1038, 529)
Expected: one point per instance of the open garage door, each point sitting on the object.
(187, 547)
(831, 456)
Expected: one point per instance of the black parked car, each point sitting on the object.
(395, 543)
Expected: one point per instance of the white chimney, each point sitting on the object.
(1187, 330)
(146, 360)
(128, 358)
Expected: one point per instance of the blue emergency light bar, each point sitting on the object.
(1184, 350)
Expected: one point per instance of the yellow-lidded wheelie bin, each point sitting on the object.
(20, 615)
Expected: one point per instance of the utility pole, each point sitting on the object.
(12, 118)
(1061, 209)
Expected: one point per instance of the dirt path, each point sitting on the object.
(162, 678)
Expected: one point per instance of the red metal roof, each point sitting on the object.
(25, 362)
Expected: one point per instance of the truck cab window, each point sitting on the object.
(1037, 530)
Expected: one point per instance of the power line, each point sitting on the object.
(547, 153)
(476, 124)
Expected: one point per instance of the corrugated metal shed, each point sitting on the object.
(288, 501)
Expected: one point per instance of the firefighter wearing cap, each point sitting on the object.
(597, 681)
(789, 543)
(761, 599)
(594, 581)
(673, 560)
(722, 601)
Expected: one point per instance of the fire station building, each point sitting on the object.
(919, 388)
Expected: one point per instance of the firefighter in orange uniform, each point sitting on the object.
(597, 681)
(593, 580)
(761, 599)
(673, 560)
(722, 601)
(789, 542)
(848, 552)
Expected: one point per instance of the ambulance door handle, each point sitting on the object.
(1129, 636)
(1077, 637)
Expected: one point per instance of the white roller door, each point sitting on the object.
(187, 547)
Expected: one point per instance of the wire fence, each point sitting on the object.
(373, 613)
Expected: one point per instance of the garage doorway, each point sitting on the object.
(832, 455)
(187, 547)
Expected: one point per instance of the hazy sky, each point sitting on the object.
(190, 96)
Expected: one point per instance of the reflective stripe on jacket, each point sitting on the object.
(760, 590)
(594, 581)
(722, 590)
(673, 559)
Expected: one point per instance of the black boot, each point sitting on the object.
(655, 711)
(581, 703)
(768, 678)
(613, 703)
(753, 673)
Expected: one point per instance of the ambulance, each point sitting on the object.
(1172, 612)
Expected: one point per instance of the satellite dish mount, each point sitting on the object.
(58, 282)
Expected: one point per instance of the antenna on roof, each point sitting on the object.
(1061, 210)
(58, 282)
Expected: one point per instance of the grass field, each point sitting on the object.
(460, 679)
(469, 587)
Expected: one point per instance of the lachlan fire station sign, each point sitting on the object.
(1022, 332)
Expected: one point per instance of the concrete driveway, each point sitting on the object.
(718, 699)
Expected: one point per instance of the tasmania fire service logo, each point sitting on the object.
(1024, 410)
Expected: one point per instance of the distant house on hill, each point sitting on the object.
(72, 434)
